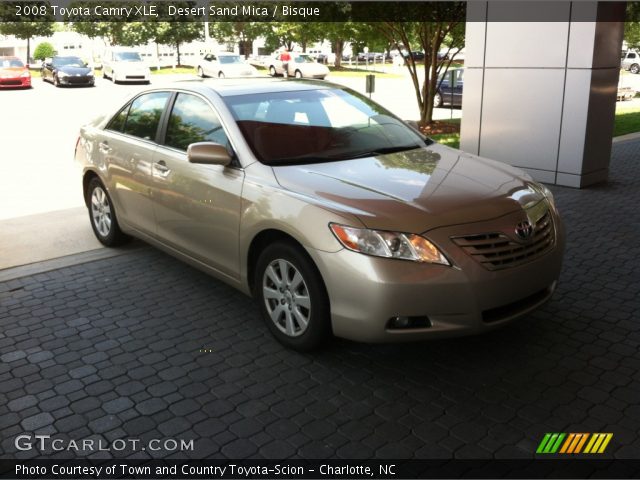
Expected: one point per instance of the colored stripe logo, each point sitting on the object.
(573, 443)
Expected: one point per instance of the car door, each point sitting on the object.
(127, 145)
(457, 88)
(197, 207)
(207, 66)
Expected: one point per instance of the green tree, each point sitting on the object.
(26, 31)
(175, 33)
(44, 50)
(244, 33)
(632, 25)
(443, 27)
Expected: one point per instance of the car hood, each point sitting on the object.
(417, 190)
(12, 71)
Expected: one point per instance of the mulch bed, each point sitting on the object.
(438, 127)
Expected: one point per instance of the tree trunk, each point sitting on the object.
(28, 51)
(338, 48)
(178, 52)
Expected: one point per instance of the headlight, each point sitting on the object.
(25, 74)
(62, 74)
(548, 195)
(90, 74)
(405, 246)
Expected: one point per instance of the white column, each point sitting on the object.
(541, 94)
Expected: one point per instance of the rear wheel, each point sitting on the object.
(298, 74)
(220, 74)
(292, 297)
(272, 71)
(200, 72)
(437, 100)
(103, 216)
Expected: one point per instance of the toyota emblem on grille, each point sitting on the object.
(524, 230)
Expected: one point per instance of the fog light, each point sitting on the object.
(401, 322)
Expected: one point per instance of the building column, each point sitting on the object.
(541, 95)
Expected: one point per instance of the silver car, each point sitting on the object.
(334, 214)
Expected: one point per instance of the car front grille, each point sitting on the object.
(135, 77)
(10, 81)
(78, 79)
(496, 251)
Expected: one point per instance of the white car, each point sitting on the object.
(125, 66)
(225, 65)
(300, 66)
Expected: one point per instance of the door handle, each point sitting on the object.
(104, 147)
(161, 168)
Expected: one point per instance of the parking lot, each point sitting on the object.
(142, 346)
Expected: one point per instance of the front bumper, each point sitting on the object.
(365, 292)
(15, 82)
(77, 80)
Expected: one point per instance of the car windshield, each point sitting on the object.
(304, 59)
(313, 126)
(68, 62)
(128, 57)
(11, 63)
(228, 59)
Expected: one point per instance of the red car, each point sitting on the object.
(13, 73)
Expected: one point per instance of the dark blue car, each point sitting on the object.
(448, 94)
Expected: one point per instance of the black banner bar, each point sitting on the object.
(317, 469)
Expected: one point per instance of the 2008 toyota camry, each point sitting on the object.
(334, 214)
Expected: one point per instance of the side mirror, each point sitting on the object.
(208, 153)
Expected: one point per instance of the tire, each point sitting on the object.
(221, 75)
(298, 74)
(635, 68)
(272, 71)
(290, 292)
(201, 72)
(102, 215)
(56, 82)
(437, 100)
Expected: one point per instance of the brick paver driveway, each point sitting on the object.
(114, 349)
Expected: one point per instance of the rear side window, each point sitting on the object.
(117, 122)
(193, 120)
(144, 115)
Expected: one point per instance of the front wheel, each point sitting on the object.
(272, 71)
(220, 74)
(200, 72)
(635, 68)
(56, 81)
(103, 216)
(292, 297)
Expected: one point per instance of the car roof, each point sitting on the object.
(238, 86)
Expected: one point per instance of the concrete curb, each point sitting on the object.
(67, 261)
(627, 137)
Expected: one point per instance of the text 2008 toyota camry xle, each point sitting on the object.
(334, 214)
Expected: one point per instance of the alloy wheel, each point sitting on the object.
(101, 211)
(286, 297)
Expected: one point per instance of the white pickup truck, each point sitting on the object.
(630, 60)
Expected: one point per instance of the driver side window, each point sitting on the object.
(193, 120)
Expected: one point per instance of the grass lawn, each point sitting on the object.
(627, 121)
(170, 70)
